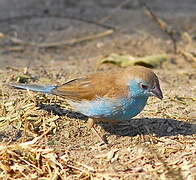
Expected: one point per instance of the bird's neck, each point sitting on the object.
(135, 105)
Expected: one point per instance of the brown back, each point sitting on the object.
(109, 84)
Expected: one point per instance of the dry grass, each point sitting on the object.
(42, 139)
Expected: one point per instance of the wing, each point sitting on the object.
(90, 87)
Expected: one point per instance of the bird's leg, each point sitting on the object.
(91, 125)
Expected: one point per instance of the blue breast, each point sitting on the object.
(118, 109)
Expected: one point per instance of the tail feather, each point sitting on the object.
(36, 88)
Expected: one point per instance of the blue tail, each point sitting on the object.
(36, 88)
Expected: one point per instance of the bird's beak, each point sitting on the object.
(157, 92)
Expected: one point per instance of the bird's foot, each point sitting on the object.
(91, 125)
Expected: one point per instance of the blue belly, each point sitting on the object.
(106, 108)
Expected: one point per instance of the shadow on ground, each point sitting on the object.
(157, 126)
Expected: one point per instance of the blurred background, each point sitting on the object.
(37, 31)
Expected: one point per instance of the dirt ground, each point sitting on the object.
(43, 42)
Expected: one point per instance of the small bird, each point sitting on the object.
(110, 96)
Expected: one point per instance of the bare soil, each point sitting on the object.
(160, 143)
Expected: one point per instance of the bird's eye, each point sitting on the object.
(143, 86)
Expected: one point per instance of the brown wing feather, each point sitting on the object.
(100, 84)
(105, 84)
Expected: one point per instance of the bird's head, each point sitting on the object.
(150, 89)
(144, 82)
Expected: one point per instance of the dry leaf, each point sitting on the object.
(127, 60)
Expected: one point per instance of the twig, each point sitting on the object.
(62, 43)
(90, 22)
(28, 143)
(113, 11)
(187, 55)
(169, 30)
(74, 41)
(76, 168)
(26, 17)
